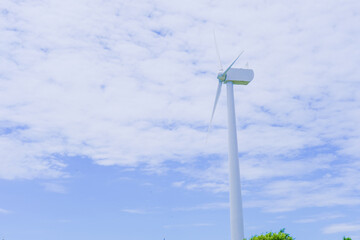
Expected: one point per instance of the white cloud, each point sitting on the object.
(189, 225)
(279, 186)
(205, 206)
(132, 84)
(4, 211)
(287, 195)
(341, 227)
(64, 221)
(54, 187)
(178, 184)
(134, 211)
(319, 217)
(27, 160)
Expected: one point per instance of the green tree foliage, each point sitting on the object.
(281, 235)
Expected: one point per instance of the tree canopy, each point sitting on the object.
(281, 235)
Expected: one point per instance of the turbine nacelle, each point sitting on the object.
(239, 76)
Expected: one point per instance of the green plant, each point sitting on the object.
(281, 235)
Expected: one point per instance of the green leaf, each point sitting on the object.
(281, 235)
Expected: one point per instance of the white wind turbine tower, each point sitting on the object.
(231, 76)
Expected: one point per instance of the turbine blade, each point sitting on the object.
(217, 52)
(232, 64)
(218, 91)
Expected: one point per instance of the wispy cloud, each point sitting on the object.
(206, 206)
(99, 89)
(321, 217)
(4, 211)
(178, 184)
(134, 211)
(64, 220)
(189, 225)
(54, 187)
(342, 228)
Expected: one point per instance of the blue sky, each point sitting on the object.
(104, 107)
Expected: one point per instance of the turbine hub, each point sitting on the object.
(221, 77)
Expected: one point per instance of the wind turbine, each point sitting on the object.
(233, 76)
